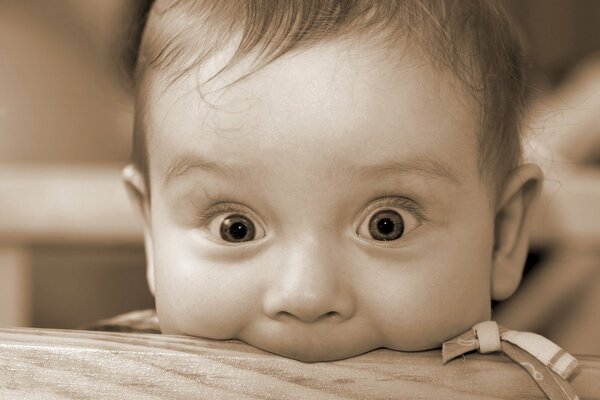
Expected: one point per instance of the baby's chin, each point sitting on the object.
(317, 352)
(328, 343)
(311, 354)
(312, 348)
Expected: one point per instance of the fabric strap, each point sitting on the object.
(548, 364)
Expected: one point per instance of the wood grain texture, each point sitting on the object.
(57, 364)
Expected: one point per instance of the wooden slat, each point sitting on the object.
(15, 286)
(58, 364)
(44, 203)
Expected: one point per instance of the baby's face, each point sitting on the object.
(327, 205)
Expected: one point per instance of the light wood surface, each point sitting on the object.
(58, 364)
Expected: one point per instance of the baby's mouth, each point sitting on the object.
(311, 345)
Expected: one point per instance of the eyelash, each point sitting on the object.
(397, 202)
(205, 216)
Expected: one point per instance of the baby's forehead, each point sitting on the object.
(225, 63)
(470, 40)
(341, 84)
(346, 108)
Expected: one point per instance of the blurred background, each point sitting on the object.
(70, 247)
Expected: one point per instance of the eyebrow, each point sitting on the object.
(186, 162)
(425, 166)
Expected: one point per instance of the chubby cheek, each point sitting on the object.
(435, 298)
(199, 298)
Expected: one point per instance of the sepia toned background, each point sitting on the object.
(70, 247)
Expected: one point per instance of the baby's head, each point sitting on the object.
(323, 178)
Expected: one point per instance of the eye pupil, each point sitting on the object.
(237, 229)
(386, 225)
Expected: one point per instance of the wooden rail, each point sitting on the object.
(60, 364)
(65, 204)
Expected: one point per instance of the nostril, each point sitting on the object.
(285, 314)
(329, 314)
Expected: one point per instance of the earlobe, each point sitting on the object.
(139, 197)
(512, 226)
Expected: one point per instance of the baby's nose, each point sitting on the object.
(310, 287)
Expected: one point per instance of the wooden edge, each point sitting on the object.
(79, 364)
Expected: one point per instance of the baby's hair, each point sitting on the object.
(471, 38)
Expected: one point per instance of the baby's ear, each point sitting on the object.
(512, 228)
(139, 196)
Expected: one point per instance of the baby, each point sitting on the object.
(322, 178)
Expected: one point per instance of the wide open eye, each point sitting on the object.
(385, 224)
(228, 223)
(237, 228)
